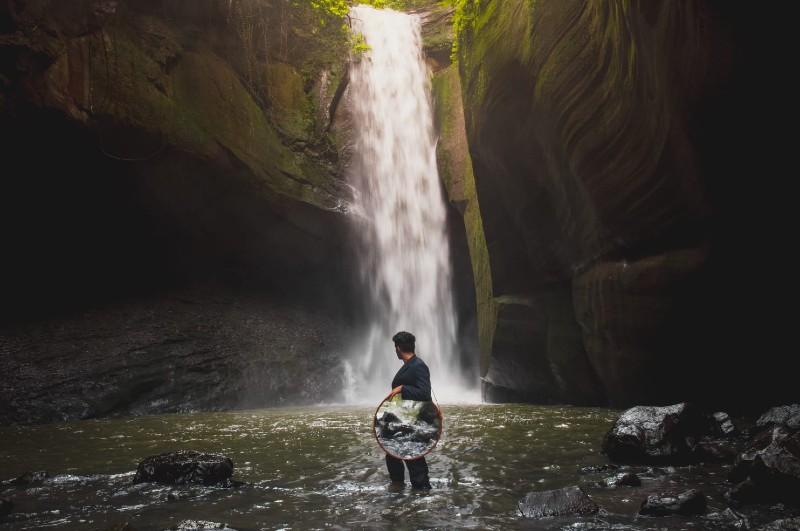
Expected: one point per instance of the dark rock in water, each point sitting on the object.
(28, 478)
(598, 468)
(690, 502)
(185, 467)
(784, 524)
(624, 479)
(559, 502)
(727, 519)
(769, 468)
(6, 507)
(651, 434)
(788, 416)
(390, 425)
(429, 414)
(200, 525)
(723, 425)
(714, 452)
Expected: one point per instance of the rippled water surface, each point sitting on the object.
(320, 467)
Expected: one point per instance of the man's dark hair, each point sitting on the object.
(404, 340)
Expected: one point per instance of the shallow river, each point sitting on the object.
(320, 467)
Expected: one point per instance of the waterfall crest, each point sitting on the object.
(402, 246)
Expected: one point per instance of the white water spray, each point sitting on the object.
(404, 254)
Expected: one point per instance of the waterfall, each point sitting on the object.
(402, 246)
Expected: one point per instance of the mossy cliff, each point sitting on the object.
(158, 152)
(607, 141)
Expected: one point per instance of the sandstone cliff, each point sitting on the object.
(610, 142)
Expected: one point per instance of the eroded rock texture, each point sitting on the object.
(610, 141)
(172, 207)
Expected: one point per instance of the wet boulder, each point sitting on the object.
(185, 467)
(722, 425)
(769, 468)
(390, 426)
(200, 525)
(710, 451)
(784, 524)
(559, 502)
(658, 435)
(687, 503)
(623, 479)
(26, 479)
(788, 416)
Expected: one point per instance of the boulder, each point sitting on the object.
(687, 503)
(658, 435)
(769, 469)
(185, 467)
(559, 502)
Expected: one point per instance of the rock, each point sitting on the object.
(29, 478)
(713, 452)
(769, 469)
(690, 502)
(784, 524)
(788, 416)
(723, 425)
(652, 434)
(559, 502)
(728, 519)
(200, 525)
(185, 467)
(627, 479)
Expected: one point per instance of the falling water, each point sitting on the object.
(404, 254)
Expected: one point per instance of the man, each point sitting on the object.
(412, 382)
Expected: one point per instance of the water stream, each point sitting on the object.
(402, 247)
(320, 467)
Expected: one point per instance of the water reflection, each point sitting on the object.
(318, 468)
(407, 429)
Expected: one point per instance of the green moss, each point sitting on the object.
(405, 5)
(129, 85)
(290, 109)
(455, 168)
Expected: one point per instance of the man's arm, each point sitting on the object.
(421, 388)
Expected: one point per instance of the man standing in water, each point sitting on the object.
(412, 382)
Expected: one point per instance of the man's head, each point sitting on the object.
(404, 341)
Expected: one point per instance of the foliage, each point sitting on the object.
(328, 9)
(358, 45)
(405, 5)
(463, 18)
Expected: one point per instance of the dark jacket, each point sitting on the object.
(415, 377)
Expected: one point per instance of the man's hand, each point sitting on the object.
(396, 390)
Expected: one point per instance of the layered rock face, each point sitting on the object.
(609, 141)
(192, 115)
(173, 207)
